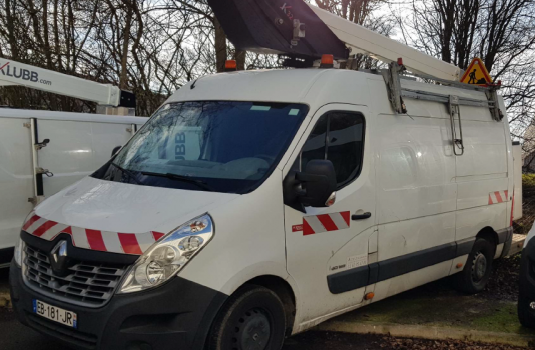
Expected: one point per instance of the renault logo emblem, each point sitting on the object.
(59, 259)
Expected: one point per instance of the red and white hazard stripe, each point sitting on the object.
(498, 197)
(104, 241)
(326, 223)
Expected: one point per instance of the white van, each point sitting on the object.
(255, 205)
(69, 146)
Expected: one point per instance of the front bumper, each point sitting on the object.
(175, 316)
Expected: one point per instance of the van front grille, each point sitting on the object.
(85, 284)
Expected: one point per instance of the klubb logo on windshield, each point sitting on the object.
(13, 71)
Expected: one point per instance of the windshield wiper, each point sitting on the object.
(127, 172)
(172, 176)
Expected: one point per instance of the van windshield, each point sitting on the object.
(227, 147)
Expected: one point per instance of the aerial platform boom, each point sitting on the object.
(15, 73)
(363, 40)
(300, 30)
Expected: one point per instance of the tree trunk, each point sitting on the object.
(123, 79)
(11, 30)
(220, 46)
(239, 56)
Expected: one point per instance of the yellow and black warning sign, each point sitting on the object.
(476, 73)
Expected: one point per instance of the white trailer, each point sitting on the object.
(43, 152)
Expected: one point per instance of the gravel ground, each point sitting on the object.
(503, 283)
(341, 341)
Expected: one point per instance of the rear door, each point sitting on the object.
(327, 248)
(76, 149)
(16, 181)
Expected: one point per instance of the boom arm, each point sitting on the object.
(363, 40)
(14, 73)
(300, 30)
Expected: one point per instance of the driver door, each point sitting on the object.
(328, 248)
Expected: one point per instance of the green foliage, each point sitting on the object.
(528, 181)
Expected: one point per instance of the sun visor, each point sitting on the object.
(277, 27)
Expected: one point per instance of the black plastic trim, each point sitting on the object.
(503, 235)
(415, 261)
(380, 271)
(464, 247)
(349, 280)
(6, 255)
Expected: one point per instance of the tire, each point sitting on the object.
(475, 276)
(525, 313)
(253, 318)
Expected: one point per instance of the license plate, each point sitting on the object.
(56, 314)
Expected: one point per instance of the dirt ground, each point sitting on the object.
(343, 341)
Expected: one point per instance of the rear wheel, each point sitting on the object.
(475, 276)
(526, 311)
(252, 319)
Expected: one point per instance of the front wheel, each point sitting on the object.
(475, 276)
(252, 319)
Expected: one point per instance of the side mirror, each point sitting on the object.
(313, 188)
(115, 150)
(318, 182)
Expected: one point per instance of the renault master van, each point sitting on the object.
(255, 205)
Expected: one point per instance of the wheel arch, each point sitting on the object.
(489, 234)
(284, 291)
(273, 276)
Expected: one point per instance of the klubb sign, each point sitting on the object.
(10, 70)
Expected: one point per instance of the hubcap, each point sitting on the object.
(479, 267)
(253, 330)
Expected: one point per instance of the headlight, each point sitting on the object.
(168, 256)
(18, 252)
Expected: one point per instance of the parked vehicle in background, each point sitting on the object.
(526, 297)
(43, 152)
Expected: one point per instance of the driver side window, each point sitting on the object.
(338, 137)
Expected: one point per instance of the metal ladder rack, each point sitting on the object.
(397, 93)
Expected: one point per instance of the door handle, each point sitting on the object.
(361, 216)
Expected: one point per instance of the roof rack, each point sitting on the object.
(393, 77)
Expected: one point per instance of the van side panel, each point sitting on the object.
(16, 178)
(482, 174)
(416, 199)
(416, 196)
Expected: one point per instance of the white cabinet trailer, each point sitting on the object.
(43, 152)
(255, 205)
